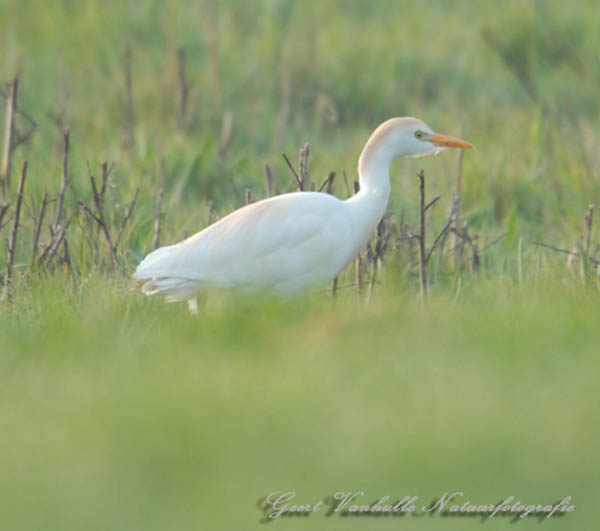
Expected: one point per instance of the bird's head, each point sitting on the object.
(421, 140)
(406, 137)
(414, 138)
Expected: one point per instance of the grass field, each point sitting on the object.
(119, 411)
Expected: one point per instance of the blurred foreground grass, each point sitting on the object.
(120, 412)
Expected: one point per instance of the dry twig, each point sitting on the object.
(382, 238)
(9, 135)
(304, 164)
(98, 216)
(13, 237)
(38, 226)
(473, 242)
(327, 183)
(3, 210)
(64, 182)
(268, 180)
(294, 173)
(584, 246)
(50, 250)
(421, 237)
(553, 248)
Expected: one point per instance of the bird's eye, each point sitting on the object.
(419, 134)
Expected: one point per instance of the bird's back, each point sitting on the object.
(285, 243)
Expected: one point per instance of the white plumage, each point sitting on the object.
(291, 241)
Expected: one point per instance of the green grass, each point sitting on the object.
(118, 411)
(122, 412)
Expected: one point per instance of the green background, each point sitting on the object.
(121, 412)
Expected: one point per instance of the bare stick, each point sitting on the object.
(50, 250)
(248, 196)
(99, 216)
(3, 210)
(330, 182)
(268, 180)
(296, 176)
(22, 138)
(304, 163)
(571, 254)
(102, 224)
(494, 241)
(89, 211)
(183, 89)
(439, 237)
(473, 243)
(334, 287)
(358, 273)
(455, 212)
(99, 195)
(442, 237)
(342, 286)
(64, 182)
(327, 182)
(476, 260)
(212, 215)
(432, 202)
(9, 133)
(157, 216)
(67, 254)
(106, 171)
(323, 184)
(381, 243)
(13, 238)
(38, 226)
(421, 238)
(553, 248)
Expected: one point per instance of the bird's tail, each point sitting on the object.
(155, 264)
(173, 289)
(161, 278)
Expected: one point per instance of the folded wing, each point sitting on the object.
(285, 242)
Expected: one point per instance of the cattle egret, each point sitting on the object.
(291, 241)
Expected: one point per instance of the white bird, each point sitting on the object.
(291, 241)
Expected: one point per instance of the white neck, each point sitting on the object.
(392, 139)
(374, 170)
(369, 204)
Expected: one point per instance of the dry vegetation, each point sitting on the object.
(102, 226)
(129, 125)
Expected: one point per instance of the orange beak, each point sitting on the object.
(449, 142)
